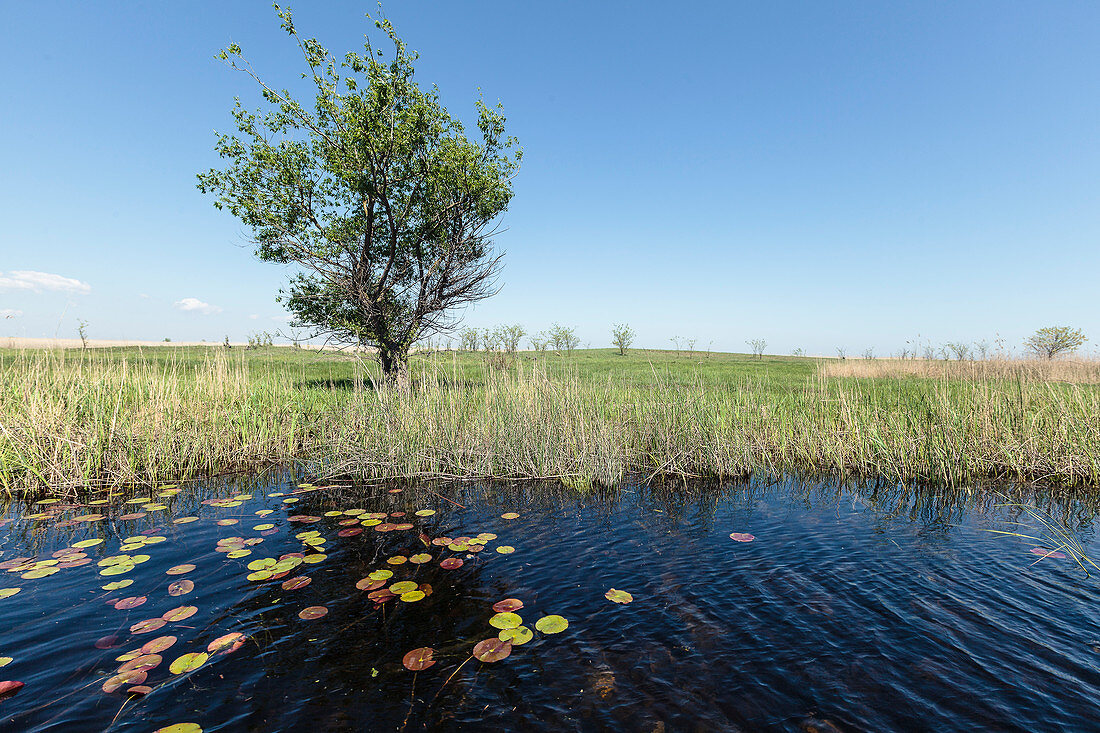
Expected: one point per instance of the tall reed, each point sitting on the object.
(70, 421)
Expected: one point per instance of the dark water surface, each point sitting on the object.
(853, 609)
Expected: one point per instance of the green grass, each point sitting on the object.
(78, 419)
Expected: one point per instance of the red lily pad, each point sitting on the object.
(368, 584)
(179, 614)
(312, 612)
(131, 602)
(492, 650)
(298, 581)
(9, 688)
(419, 659)
(157, 645)
(181, 588)
(741, 537)
(1054, 554)
(508, 604)
(227, 644)
(451, 563)
(145, 663)
(132, 677)
(349, 532)
(108, 642)
(149, 624)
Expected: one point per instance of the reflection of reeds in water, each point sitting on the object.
(85, 420)
(1054, 535)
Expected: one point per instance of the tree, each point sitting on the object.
(373, 191)
(1051, 341)
(622, 336)
(757, 346)
(564, 339)
(82, 331)
(510, 337)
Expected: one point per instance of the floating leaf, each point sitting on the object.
(381, 575)
(741, 537)
(509, 515)
(313, 612)
(9, 592)
(157, 645)
(84, 544)
(139, 690)
(179, 614)
(508, 604)
(185, 520)
(397, 560)
(418, 659)
(403, 586)
(313, 559)
(298, 581)
(108, 642)
(451, 563)
(132, 602)
(144, 627)
(144, 662)
(425, 512)
(226, 522)
(188, 662)
(5, 661)
(420, 559)
(492, 650)
(9, 688)
(412, 596)
(350, 532)
(227, 644)
(618, 596)
(262, 527)
(181, 587)
(505, 620)
(517, 636)
(368, 584)
(552, 624)
(180, 569)
(1048, 553)
(506, 549)
(131, 677)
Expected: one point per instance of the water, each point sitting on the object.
(853, 609)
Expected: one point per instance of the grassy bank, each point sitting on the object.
(76, 419)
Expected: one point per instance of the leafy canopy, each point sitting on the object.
(374, 192)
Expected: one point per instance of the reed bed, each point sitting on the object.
(1071, 371)
(71, 421)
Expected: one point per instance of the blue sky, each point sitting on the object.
(814, 174)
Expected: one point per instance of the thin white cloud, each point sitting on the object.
(144, 296)
(196, 305)
(39, 281)
(10, 313)
(253, 317)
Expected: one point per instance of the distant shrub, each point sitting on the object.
(622, 336)
(1054, 340)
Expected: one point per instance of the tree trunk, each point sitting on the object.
(395, 367)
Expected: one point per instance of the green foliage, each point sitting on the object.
(622, 336)
(373, 191)
(564, 339)
(1051, 341)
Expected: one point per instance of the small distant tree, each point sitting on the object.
(957, 349)
(1054, 341)
(490, 339)
(510, 337)
(798, 351)
(469, 338)
(869, 353)
(622, 336)
(757, 346)
(539, 341)
(564, 339)
(82, 330)
(841, 353)
(982, 349)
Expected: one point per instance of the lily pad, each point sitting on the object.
(368, 584)
(420, 559)
(425, 512)
(298, 581)
(227, 643)
(9, 592)
(741, 537)
(552, 624)
(517, 636)
(157, 645)
(180, 569)
(451, 563)
(412, 596)
(131, 677)
(505, 620)
(1054, 554)
(419, 659)
(9, 688)
(148, 625)
(180, 728)
(492, 650)
(403, 586)
(132, 602)
(312, 612)
(508, 604)
(179, 614)
(506, 549)
(509, 515)
(618, 596)
(181, 587)
(188, 662)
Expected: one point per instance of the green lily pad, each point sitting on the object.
(505, 620)
(188, 662)
(552, 624)
(517, 636)
(618, 596)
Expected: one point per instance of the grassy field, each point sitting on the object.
(75, 419)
